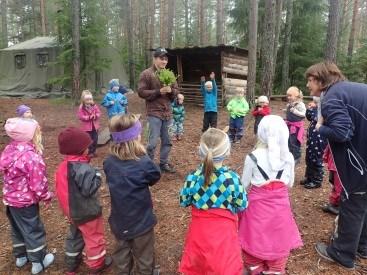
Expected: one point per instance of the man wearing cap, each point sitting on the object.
(158, 106)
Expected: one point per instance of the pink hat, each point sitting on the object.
(20, 129)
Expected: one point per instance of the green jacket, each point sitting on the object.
(238, 107)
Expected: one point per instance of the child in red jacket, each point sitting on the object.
(261, 109)
(77, 184)
(88, 114)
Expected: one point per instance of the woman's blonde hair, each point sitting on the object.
(37, 140)
(85, 93)
(214, 143)
(132, 149)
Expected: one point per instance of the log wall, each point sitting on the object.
(234, 74)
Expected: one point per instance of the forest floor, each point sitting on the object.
(55, 114)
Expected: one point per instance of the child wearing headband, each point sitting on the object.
(215, 195)
(267, 230)
(129, 174)
(88, 114)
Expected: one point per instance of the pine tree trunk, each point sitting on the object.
(268, 49)
(163, 23)
(150, 31)
(286, 46)
(75, 11)
(170, 18)
(220, 22)
(202, 22)
(130, 46)
(43, 17)
(278, 21)
(352, 31)
(4, 24)
(186, 4)
(252, 51)
(332, 32)
(34, 20)
(343, 15)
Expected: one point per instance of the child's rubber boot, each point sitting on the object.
(39, 267)
(107, 264)
(21, 261)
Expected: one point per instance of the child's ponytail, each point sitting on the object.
(208, 167)
(214, 148)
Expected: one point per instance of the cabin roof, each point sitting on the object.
(208, 50)
(39, 42)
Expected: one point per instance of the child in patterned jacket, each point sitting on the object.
(215, 195)
(178, 111)
(25, 185)
(115, 102)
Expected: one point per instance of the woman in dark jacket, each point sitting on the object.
(343, 122)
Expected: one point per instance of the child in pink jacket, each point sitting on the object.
(88, 114)
(267, 229)
(25, 185)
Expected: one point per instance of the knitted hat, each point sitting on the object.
(20, 129)
(21, 109)
(263, 99)
(114, 83)
(73, 141)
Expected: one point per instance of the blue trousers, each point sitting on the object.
(158, 128)
(236, 127)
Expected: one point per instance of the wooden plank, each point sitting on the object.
(240, 61)
(236, 56)
(234, 81)
(234, 71)
(237, 67)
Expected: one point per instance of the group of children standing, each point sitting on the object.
(221, 207)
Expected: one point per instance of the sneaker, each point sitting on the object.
(312, 185)
(329, 208)
(321, 249)
(304, 181)
(107, 263)
(362, 254)
(21, 261)
(166, 168)
(47, 261)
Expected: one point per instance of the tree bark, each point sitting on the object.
(220, 22)
(186, 4)
(150, 31)
(268, 49)
(352, 31)
(278, 21)
(130, 46)
(286, 46)
(163, 23)
(4, 24)
(75, 11)
(332, 32)
(344, 7)
(252, 51)
(43, 17)
(170, 18)
(202, 22)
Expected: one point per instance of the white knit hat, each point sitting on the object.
(262, 99)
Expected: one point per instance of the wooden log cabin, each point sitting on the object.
(229, 63)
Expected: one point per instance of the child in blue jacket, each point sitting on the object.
(209, 91)
(115, 102)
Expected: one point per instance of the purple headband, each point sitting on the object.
(128, 134)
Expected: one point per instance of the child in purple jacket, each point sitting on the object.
(88, 114)
(25, 185)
